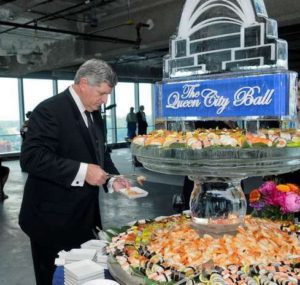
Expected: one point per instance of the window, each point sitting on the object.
(62, 85)
(124, 99)
(107, 118)
(35, 91)
(145, 92)
(10, 140)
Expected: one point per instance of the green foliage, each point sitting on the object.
(246, 145)
(177, 145)
(293, 144)
(273, 213)
(136, 272)
(259, 145)
(152, 282)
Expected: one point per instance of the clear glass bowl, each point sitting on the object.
(218, 205)
(219, 162)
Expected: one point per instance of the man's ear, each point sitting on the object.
(83, 83)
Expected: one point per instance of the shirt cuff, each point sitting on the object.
(80, 176)
(109, 185)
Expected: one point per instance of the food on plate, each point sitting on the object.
(134, 192)
(141, 179)
(131, 192)
(203, 138)
(170, 249)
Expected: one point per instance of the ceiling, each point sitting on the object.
(52, 38)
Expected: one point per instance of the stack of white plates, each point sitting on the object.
(80, 272)
(77, 254)
(101, 282)
(102, 260)
(99, 245)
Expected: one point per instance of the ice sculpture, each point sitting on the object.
(225, 63)
(224, 35)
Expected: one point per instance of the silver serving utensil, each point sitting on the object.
(139, 178)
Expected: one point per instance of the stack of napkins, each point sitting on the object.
(80, 272)
(76, 254)
(100, 247)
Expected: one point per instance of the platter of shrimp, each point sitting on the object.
(207, 153)
(204, 138)
(169, 251)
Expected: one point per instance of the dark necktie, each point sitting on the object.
(91, 126)
(93, 133)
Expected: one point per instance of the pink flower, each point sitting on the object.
(291, 203)
(268, 190)
(277, 198)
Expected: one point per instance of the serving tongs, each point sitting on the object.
(109, 175)
(139, 178)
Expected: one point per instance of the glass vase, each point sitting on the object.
(217, 205)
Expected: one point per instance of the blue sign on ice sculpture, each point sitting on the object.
(261, 95)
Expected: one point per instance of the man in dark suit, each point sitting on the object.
(66, 159)
(141, 121)
(4, 172)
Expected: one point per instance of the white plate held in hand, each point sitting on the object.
(133, 192)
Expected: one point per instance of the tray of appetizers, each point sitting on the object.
(168, 249)
(231, 153)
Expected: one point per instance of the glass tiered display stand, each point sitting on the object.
(217, 202)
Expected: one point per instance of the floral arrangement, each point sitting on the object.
(276, 201)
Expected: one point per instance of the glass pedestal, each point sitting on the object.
(218, 205)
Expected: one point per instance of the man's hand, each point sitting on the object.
(95, 175)
(120, 183)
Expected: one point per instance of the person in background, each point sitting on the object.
(24, 128)
(131, 124)
(141, 120)
(66, 159)
(4, 172)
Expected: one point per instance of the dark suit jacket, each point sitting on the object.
(52, 211)
(142, 124)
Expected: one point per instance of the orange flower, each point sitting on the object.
(294, 187)
(254, 196)
(283, 188)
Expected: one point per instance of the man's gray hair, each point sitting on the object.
(96, 71)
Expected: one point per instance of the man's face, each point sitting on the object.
(92, 97)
